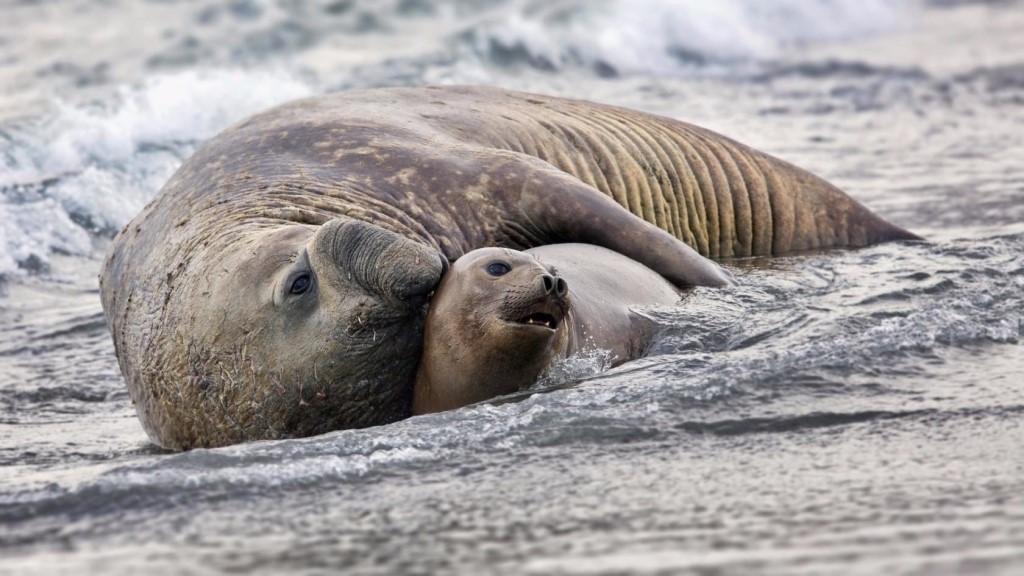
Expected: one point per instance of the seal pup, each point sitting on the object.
(500, 318)
(276, 286)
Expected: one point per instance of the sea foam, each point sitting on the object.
(87, 168)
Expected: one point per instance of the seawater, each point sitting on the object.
(837, 412)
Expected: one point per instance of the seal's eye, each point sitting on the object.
(301, 284)
(498, 268)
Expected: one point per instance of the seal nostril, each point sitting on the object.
(561, 287)
(549, 283)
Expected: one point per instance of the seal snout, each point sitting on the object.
(554, 285)
(549, 309)
(354, 255)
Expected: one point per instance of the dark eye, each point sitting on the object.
(301, 284)
(498, 268)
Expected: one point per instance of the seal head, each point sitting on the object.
(328, 318)
(501, 318)
(510, 309)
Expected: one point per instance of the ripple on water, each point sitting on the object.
(838, 411)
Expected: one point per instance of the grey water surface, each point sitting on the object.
(841, 412)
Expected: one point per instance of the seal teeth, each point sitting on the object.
(541, 320)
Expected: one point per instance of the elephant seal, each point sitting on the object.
(275, 287)
(500, 317)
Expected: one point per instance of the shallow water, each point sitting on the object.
(838, 412)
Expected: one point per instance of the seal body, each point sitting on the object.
(276, 285)
(501, 317)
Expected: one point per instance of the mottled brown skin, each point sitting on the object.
(362, 191)
(484, 336)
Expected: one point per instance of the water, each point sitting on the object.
(839, 412)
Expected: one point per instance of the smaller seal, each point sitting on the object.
(500, 317)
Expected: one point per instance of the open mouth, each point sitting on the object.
(541, 319)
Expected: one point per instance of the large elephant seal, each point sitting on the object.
(275, 287)
(501, 317)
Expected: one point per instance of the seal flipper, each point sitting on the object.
(722, 198)
(557, 207)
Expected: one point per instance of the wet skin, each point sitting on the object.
(374, 191)
(500, 318)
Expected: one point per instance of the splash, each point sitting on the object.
(86, 169)
(585, 364)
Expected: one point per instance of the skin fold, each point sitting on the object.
(276, 286)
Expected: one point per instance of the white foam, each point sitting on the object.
(110, 159)
(586, 363)
(37, 229)
(187, 106)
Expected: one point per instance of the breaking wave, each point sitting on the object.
(86, 169)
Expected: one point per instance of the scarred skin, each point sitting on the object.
(368, 194)
(484, 336)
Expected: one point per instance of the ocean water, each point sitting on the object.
(847, 412)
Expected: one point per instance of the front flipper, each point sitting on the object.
(720, 197)
(557, 207)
